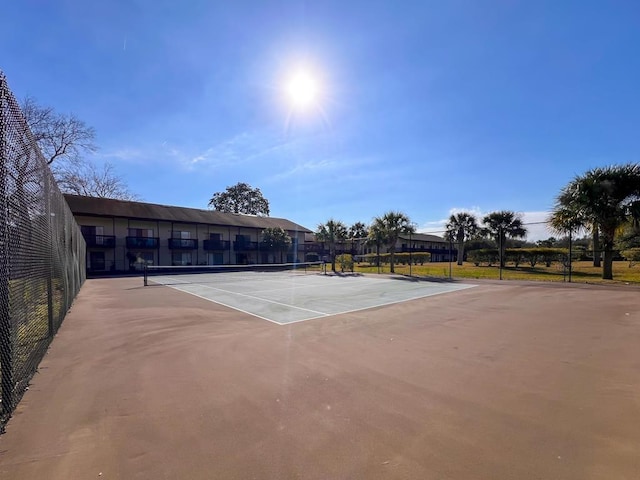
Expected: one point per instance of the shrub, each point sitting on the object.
(345, 261)
(632, 255)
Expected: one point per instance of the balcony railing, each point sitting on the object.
(216, 244)
(439, 249)
(104, 241)
(183, 243)
(245, 246)
(143, 242)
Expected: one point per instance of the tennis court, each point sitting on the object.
(287, 296)
(508, 381)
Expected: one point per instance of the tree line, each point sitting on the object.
(605, 201)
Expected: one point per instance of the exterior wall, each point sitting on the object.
(117, 255)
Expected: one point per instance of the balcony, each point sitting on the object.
(183, 244)
(143, 242)
(100, 241)
(438, 249)
(245, 246)
(213, 245)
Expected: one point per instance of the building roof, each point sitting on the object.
(423, 237)
(107, 207)
(420, 237)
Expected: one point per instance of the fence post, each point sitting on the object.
(570, 255)
(450, 256)
(47, 200)
(6, 327)
(500, 250)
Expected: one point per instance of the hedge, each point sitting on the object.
(518, 255)
(400, 258)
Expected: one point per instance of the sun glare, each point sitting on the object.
(302, 89)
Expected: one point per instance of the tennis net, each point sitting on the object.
(175, 275)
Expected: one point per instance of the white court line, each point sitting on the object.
(380, 304)
(258, 298)
(343, 287)
(226, 305)
(320, 314)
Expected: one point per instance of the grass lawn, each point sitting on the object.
(583, 272)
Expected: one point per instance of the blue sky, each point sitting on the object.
(427, 107)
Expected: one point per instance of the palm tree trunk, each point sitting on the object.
(607, 268)
(596, 246)
(608, 235)
(503, 248)
(392, 252)
(460, 251)
(332, 253)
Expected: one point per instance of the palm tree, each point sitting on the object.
(376, 236)
(503, 224)
(391, 225)
(332, 232)
(357, 232)
(461, 226)
(607, 197)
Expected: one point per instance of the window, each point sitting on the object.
(96, 261)
(141, 232)
(215, 258)
(91, 231)
(182, 235)
(216, 237)
(181, 258)
(145, 257)
(94, 235)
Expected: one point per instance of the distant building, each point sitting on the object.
(438, 247)
(123, 235)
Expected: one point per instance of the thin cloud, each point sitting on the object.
(125, 154)
(242, 148)
(309, 167)
(247, 147)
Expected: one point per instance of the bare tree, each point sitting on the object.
(63, 140)
(59, 136)
(92, 181)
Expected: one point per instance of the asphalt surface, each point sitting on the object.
(501, 381)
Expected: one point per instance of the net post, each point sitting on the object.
(144, 275)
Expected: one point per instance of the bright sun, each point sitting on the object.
(302, 89)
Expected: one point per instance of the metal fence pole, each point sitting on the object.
(450, 254)
(500, 250)
(570, 255)
(48, 213)
(410, 253)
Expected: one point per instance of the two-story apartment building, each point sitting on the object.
(441, 250)
(124, 235)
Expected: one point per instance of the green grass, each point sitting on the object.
(581, 272)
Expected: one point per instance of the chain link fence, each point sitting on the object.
(42, 254)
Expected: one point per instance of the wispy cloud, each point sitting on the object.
(308, 167)
(242, 148)
(125, 154)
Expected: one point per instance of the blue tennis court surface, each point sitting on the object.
(289, 297)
